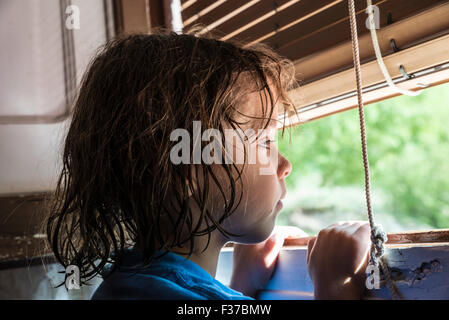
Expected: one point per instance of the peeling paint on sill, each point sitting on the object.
(416, 276)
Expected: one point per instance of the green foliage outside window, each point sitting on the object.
(408, 148)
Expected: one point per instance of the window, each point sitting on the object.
(408, 144)
(32, 64)
(44, 59)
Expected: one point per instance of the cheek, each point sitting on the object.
(263, 193)
(256, 215)
(260, 195)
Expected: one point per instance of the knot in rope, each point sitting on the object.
(378, 238)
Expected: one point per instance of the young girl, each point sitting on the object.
(148, 202)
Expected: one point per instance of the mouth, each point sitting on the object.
(279, 205)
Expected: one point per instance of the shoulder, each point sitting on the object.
(170, 277)
(142, 287)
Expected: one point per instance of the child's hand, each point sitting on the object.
(337, 259)
(253, 265)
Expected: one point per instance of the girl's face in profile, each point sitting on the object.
(263, 176)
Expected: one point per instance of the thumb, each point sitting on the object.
(310, 245)
(275, 242)
(272, 248)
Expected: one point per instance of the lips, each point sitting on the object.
(279, 205)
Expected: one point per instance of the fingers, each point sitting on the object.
(360, 231)
(354, 235)
(356, 228)
(347, 223)
(363, 228)
(363, 233)
(290, 231)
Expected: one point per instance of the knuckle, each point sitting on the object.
(365, 228)
(322, 233)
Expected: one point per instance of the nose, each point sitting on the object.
(284, 167)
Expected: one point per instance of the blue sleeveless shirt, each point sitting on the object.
(170, 277)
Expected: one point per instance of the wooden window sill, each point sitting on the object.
(419, 262)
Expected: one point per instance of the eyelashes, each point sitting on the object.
(267, 143)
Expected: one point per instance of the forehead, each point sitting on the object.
(256, 108)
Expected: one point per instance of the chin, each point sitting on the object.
(262, 233)
(255, 232)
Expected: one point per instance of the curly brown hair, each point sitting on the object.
(117, 175)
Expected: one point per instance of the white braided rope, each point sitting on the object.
(380, 60)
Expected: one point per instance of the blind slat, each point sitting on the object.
(309, 39)
(186, 3)
(218, 13)
(283, 18)
(196, 9)
(260, 10)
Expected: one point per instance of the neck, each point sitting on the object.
(208, 259)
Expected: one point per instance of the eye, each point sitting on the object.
(267, 143)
